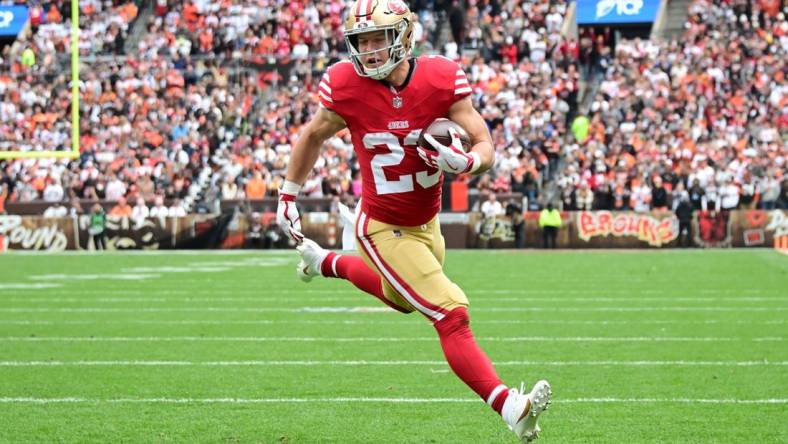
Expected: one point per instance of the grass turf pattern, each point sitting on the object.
(640, 346)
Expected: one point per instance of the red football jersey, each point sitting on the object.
(397, 186)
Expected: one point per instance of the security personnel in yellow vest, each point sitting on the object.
(549, 222)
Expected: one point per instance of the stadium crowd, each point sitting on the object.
(148, 135)
(104, 26)
(704, 118)
(191, 98)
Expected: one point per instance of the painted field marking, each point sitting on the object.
(376, 339)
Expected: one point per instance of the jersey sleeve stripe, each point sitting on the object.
(325, 97)
(463, 90)
(324, 86)
(460, 73)
(459, 82)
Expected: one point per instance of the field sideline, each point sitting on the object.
(640, 346)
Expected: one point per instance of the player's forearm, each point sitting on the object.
(303, 158)
(486, 153)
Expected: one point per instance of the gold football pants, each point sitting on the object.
(410, 263)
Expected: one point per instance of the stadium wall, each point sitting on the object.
(585, 229)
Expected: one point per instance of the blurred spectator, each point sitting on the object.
(515, 211)
(550, 223)
(580, 128)
(158, 209)
(782, 202)
(255, 187)
(683, 209)
(229, 189)
(53, 192)
(56, 210)
(584, 199)
(176, 209)
(255, 234)
(711, 199)
(659, 195)
(492, 208)
(770, 191)
(115, 189)
(729, 195)
(696, 195)
(750, 192)
(3, 197)
(121, 209)
(28, 58)
(97, 229)
(140, 212)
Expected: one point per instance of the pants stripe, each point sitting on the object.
(419, 303)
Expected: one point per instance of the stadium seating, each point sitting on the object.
(710, 107)
(190, 101)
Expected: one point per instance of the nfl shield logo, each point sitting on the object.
(397, 102)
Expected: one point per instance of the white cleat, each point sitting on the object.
(521, 411)
(312, 256)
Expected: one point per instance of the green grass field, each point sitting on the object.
(664, 346)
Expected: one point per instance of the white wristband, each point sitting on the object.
(477, 162)
(291, 188)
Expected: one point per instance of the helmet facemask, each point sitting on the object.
(398, 50)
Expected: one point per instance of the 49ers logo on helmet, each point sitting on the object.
(397, 6)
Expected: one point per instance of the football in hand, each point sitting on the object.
(439, 129)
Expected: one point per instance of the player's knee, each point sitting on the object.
(449, 295)
(455, 320)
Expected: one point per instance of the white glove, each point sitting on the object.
(452, 158)
(287, 216)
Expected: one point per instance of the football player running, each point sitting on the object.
(385, 98)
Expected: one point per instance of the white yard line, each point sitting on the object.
(28, 285)
(368, 309)
(633, 309)
(475, 294)
(404, 322)
(357, 297)
(375, 339)
(364, 363)
(347, 400)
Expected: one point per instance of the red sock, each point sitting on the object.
(354, 269)
(467, 360)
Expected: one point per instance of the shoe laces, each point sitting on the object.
(516, 391)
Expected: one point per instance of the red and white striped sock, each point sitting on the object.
(468, 360)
